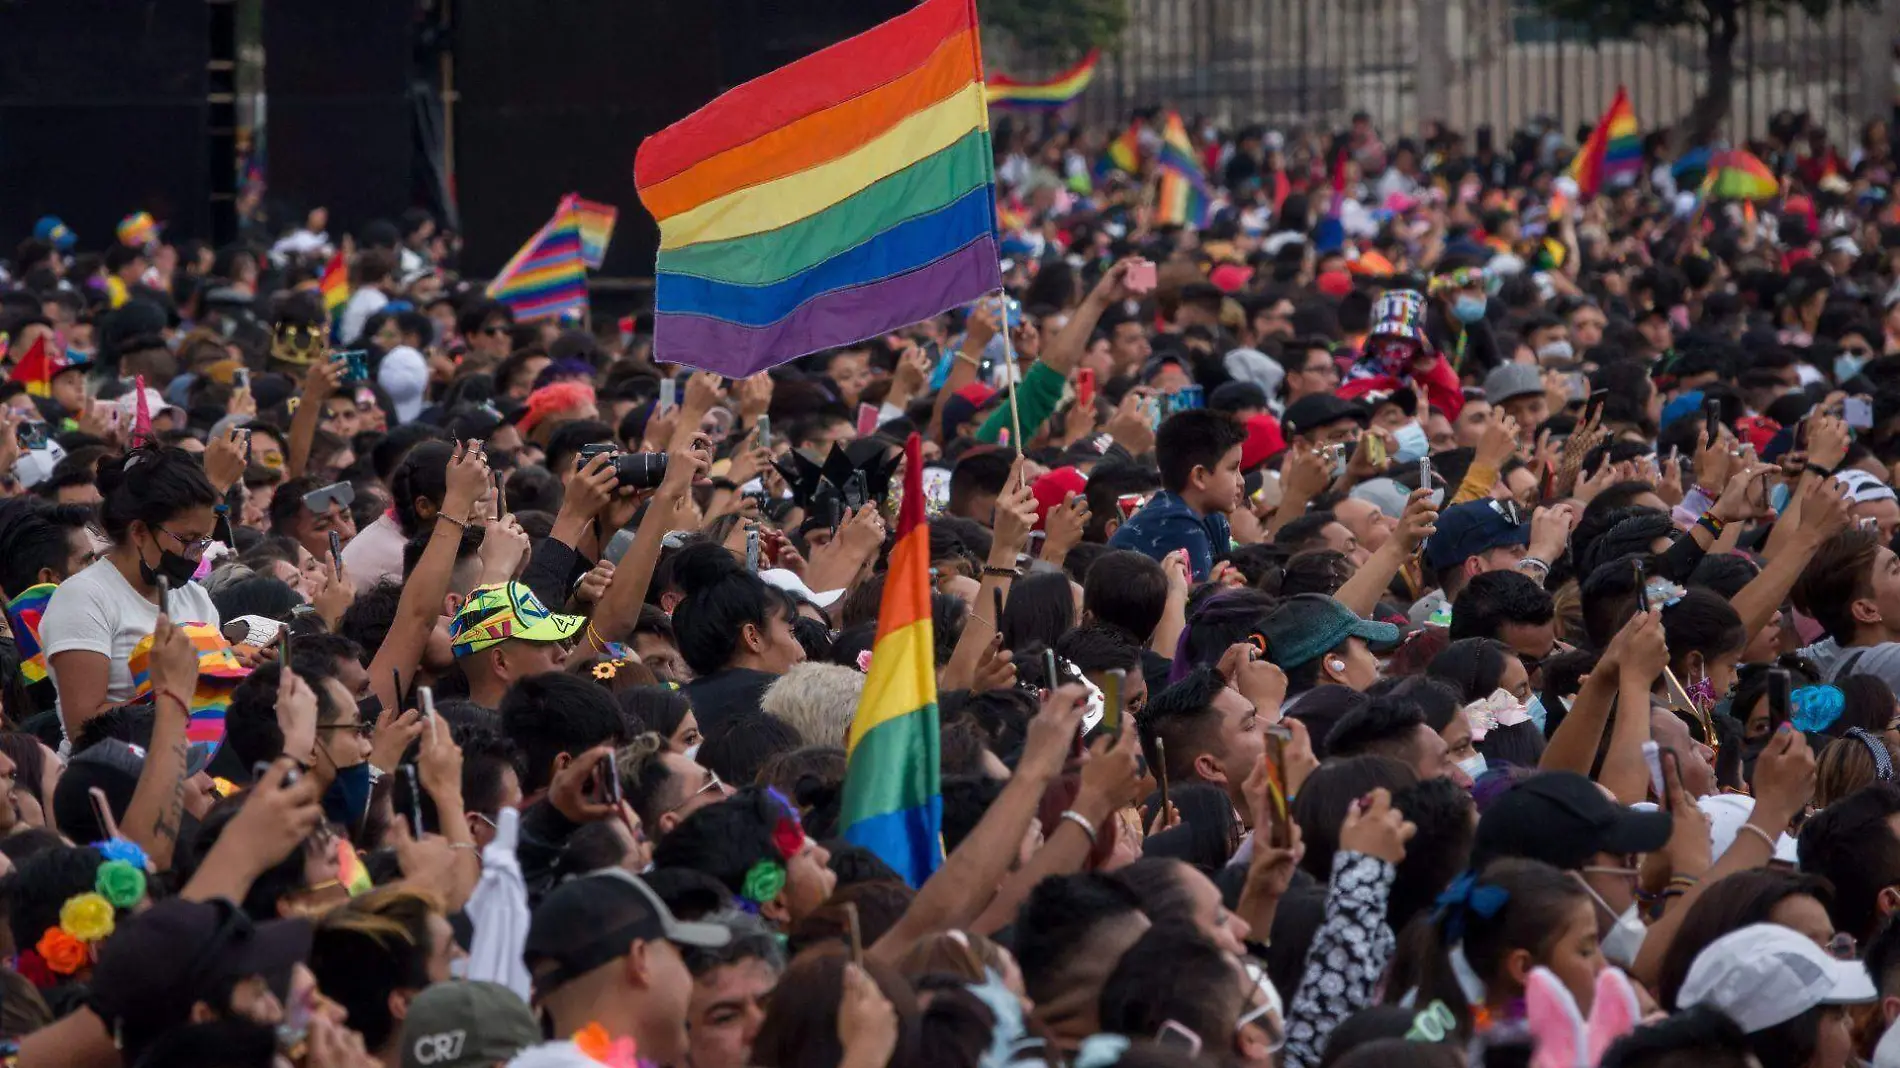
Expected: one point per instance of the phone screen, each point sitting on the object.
(1780, 698)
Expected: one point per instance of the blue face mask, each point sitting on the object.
(1778, 497)
(1468, 309)
(1535, 708)
(347, 798)
(1847, 366)
(1412, 443)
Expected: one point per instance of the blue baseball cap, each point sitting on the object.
(1307, 626)
(55, 233)
(1465, 530)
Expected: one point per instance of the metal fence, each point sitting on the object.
(1473, 62)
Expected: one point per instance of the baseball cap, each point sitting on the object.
(160, 962)
(589, 921)
(1316, 410)
(960, 407)
(1564, 819)
(1845, 246)
(51, 230)
(1387, 495)
(1264, 441)
(1765, 974)
(1052, 487)
(466, 1025)
(792, 584)
(1465, 530)
(509, 610)
(1309, 625)
(1509, 380)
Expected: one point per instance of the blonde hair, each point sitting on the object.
(816, 700)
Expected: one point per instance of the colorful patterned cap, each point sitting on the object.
(509, 611)
(1400, 313)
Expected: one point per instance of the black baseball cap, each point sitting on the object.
(1316, 410)
(1563, 819)
(589, 921)
(157, 964)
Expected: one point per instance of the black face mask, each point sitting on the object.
(176, 568)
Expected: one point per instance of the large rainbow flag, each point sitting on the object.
(1180, 186)
(1047, 94)
(23, 615)
(893, 802)
(842, 196)
(1614, 149)
(549, 275)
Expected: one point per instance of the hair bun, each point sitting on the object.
(703, 565)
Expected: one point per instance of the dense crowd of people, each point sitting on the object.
(1420, 617)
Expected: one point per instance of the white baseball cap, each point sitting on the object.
(1863, 488)
(795, 586)
(1766, 974)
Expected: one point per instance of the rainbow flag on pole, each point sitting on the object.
(549, 275)
(1181, 187)
(893, 802)
(842, 196)
(1122, 154)
(1048, 94)
(335, 285)
(597, 228)
(1613, 151)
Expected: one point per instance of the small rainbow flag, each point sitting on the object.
(219, 672)
(549, 275)
(840, 197)
(1738, 175)
(1048, 94)
(37, 367)
(1181, 187)
(1123, 153)
(23, 614)
(893, 803)
(1614, 149)
(138, 229)
(597, 228)
(335, 285)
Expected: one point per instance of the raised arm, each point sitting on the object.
(1362, 591)
(319, 384)
(424, 588)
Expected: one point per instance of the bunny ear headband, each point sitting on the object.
(1562, 1037)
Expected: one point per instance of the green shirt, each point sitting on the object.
(1042, 389)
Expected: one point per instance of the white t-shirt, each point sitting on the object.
(375, 554)
(97, 611)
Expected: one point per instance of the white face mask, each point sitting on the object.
(1625, 938)
(1473, 767)
(692, 752)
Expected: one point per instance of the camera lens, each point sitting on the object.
(641, 470)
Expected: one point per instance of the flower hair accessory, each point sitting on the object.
(607, 669)
(120, 883)
(763, 882)
(126, 850)
(1816, 708)
(594, 1042)
(1500, 709)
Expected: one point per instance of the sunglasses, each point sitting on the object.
(319, 500)
(495, 331)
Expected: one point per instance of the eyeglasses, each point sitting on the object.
(712, 784)
(192, 546)
(495, 331)
(364, 728)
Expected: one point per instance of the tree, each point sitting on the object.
(1059, 31)
(1720, 22)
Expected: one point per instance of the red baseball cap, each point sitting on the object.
(1051, 488)
(1264, 440)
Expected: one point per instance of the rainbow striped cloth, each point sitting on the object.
(1614, 149)
(335, 285)
(1180, 186)
(219, 672)
(893, 802)
(548, 277)
(23, 615)
(1122, 154)
(1739, 175)
(1048, 94)
(597, 228)
(842, 196)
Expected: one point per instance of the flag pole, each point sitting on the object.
(1015, 378)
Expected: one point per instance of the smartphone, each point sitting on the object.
(414, 784)
(425, 700)
(1642, 585)
(867, 420)
(395, 677)
(765, 431)
(1858, 412)
(1425, 472)
(1593, 411)
(336, 551)
(164, 593)
(1085, 387)
(290, 777)
(1281, 836)
(996, 597)
(1652, 756)
(242, 377)
(1712, 418)
(501, 495)
(1112, 700)
(606, 782)
(1141, 277)
(283, 646)
(1128, 504)
(33, 435)
(1161, 772)
(1002, 438)
(1372, 447)
(1780, 698)
(752, 549)
(857, 934)
(618, 545)
(1576, 386)
(669, 394)
(1050, 681)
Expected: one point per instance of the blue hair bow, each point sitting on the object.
(1816, 708)
(1466, 895)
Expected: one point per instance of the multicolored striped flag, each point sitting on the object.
(1123, 153)
(1047, 94)
(548, 277)
(23, 615)
(219, 672)
(893, 802)
(845, 195)
(1180, 185)
(1614, 149)
(335, 285)
(597, 228)
(1739, 175)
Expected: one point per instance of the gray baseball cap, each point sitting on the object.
(1512, 380)
(466, 1025)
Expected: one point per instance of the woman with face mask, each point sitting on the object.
(158, 510)
(1496, 691)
